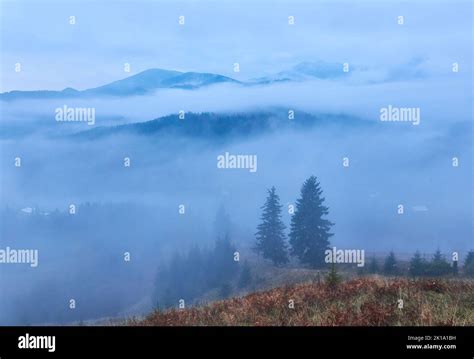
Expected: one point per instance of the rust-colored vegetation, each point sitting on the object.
(368, 301)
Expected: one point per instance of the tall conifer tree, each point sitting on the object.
(271, 240)
(310, 231)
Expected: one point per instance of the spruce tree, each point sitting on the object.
(439, 266)
(455, 268)
(417, 265)
(390, 266)
(221, 265)
(309, 235)
(469, 264)
(270, 232)
(245, 278)
(333, 279)
(373, 266)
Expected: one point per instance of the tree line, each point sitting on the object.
(420, 267)
(309, 238)
(188, 276)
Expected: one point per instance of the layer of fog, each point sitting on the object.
(442, 99)
(390, 164)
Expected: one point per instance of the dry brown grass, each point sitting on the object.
(363, 301)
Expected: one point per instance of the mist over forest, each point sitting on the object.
(168, 202)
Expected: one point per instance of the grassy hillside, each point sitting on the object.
(368, 301)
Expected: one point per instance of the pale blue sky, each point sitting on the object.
(146, 34)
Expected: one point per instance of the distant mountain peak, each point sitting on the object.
(306, 70)
(141, 83)
(150, 80)
(70, 90)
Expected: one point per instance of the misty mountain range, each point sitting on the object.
(221, 127)
(150, 80)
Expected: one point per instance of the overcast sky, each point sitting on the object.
(146, 34)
